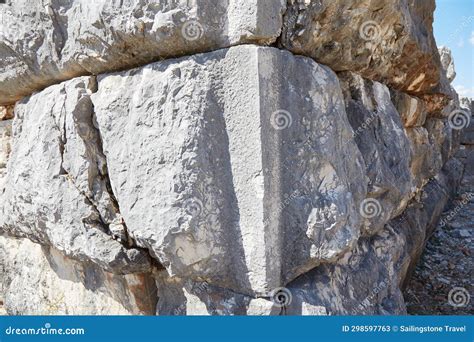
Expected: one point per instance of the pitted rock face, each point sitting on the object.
(185, 141)
(41, 46)
(379, 134)
(388, 41)
(56, 190)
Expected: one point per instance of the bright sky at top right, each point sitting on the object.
(454, 28)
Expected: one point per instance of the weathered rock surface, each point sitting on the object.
(366, 280)
(442, 280)
(379, 134)
(6, 112)
(222, 179)
(466, 116)
(388, 41)
(412, 110)
(57, 192)
(447, 63)
(186, 127)
(5, 148)
(424, 162)
(369, 278)
(444, 139)
(42, 45)
(39, 280)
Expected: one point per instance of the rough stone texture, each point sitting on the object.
(186, 297)
(379, 134)
(447, 63)
(57, 192)
(467, 134)
(42, 45)
(6, 112)
(446, 262)
(368, 280)
(388, 41)
(36, 280)
(412, 110)
(443, 138)
(431, 147)
(223, 182)
(424, 162)
(235, 115)
(5, 148)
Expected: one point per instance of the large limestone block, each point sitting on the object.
(388, 41)
(366, 280)
(227, 167)
(39, 280)
(379, 134)
(44, 43)
(57, 191)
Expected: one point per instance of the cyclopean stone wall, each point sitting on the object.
(249, 157)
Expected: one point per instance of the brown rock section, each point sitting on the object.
(388, 41)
